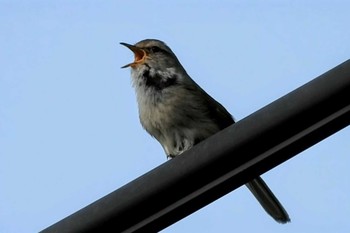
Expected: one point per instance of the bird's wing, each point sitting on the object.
(216, 111)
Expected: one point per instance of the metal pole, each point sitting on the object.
(223, 162)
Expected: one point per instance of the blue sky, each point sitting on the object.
(69, 128)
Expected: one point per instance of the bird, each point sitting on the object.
(179, 114)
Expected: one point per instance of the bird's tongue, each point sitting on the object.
(139, 55)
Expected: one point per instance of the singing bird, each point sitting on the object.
(176, 111)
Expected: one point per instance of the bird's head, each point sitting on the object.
(153, 54)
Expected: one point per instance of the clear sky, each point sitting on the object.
(69, 128)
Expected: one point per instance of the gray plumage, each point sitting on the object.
(179, 113)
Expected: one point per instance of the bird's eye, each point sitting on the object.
(155, 49)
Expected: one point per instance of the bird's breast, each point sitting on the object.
(156, 110)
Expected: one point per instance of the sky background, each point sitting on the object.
(69, 127)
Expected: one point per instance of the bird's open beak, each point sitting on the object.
(140, 55)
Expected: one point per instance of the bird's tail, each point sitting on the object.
(268, 200)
